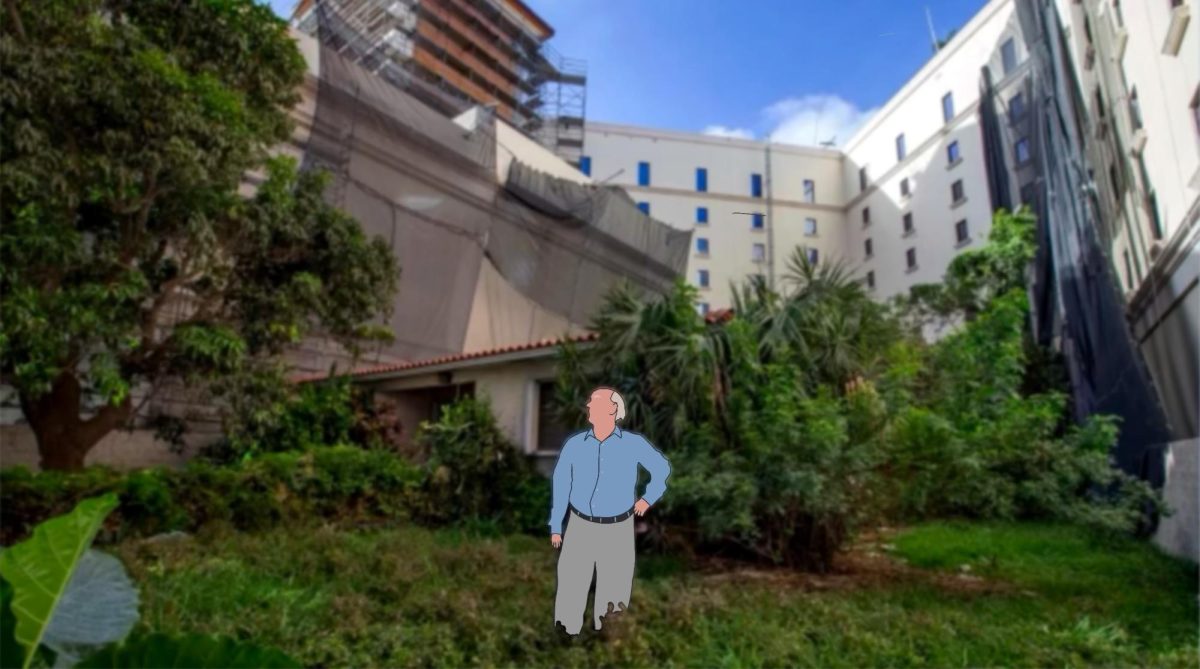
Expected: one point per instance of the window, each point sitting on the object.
(1100, 102)
(904, 187)
(960, 232)
(1118, 185)
(910, 257)
(947, 107)
(758, 252)
(1128, 271)
(1196, 110)
(866, 216)
(1016, 107)
(908, 224)
(812, 255)
(901, 150)
(1028, 193)
(701, 179)
(756, 221)
(862, 178)
(702, 278)
(810, 190)
(1135, 110)
(702, 245)
(868, 249)
(645, 207)
(756, 185)
(702, 215)
(810, 227)
(643, 174)
(1151, 201)
(1008, 54)
(1021, 150)
(585, 165)
(871, 279)
(952, 155)
(702, 307)
(956, 191)
(551, 432)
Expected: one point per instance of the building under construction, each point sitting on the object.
(456, 54)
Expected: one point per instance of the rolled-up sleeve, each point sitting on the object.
(561, 489)
(656, 463)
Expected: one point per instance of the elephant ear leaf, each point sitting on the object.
(40, 568)
(193, 651)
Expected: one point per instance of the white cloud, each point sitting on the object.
(722, 131)
(812, 119)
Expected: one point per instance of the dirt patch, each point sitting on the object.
(865, 563)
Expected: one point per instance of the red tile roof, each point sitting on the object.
(719, 315)
(457, 357)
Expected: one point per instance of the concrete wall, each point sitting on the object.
(1179, 534)
(120, 449)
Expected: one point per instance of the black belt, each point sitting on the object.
(603, 520)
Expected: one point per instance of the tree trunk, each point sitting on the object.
(64, 439)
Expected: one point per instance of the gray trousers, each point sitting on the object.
(587, 547)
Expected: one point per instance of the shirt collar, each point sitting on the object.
(592, 432)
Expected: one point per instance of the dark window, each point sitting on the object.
(862, 178)
(867, 250)
(758, 252)
(1008, 54)
(643, 174)
(901, 150)
(810, 190)
(756, 221)
(871, 279)
(810, 227)
(1016, 107)
(812, 255)
(1028, 192)
(1021, 149)
(910, 257)
(1128, 271)
(701, 179)
(947, 107)
(756, 185)
(956, 191)
(1118, 186)
(585, 165)
(645, 207)
(952, 155)
(1087, 29)
(960, 231)
(1196, 110)
(703, 307)
(702, 278)
(904, 187)
(1100, 102)
(1135, 109)
(702, 214)
(1151, 197)
(702, 245)
(908, 223)
(866, 215)
(552, 432)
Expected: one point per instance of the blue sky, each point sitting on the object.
(802, 70)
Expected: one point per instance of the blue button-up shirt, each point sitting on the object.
(599, 478)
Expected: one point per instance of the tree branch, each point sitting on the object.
(15, 17)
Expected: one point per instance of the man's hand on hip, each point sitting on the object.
(556, 540)
(640, 507)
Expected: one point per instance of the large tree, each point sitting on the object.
(127, 254)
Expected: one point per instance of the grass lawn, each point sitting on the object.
(1033, 595)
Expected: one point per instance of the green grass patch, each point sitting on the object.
(408, 596)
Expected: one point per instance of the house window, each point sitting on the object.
(645, 207)
(910, 257)
(1008, 54)
(585, 165)
(1196, 110)
(904, 187)
(947, 107)
(812, 255)
(1135, 110)
(901, 150)
(862, 178)
(871, 280)
(702, 215)
(756, 221)
(1021, 149)
(702, 278)
(960, 232)
(1128, 271)
(952, 155)
(866, 216)
(868, 249)
(1118, 185)
(756, 185)
(1028, 193)
(1016, 107)
(1100, 102)
(701, 179)
(552, 433)
(908, 223)
(702, 307)
(702, 245)
(810, 190)
(643, 174)
(956, 191)
(810, 227)
(758, 252)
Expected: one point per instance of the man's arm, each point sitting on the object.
(561, 488)
(656, 463)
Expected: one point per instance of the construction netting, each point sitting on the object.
(432, 189)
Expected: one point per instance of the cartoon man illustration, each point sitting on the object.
(596, 477)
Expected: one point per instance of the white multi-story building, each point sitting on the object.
(909, 191)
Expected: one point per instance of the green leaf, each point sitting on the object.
(10, 651)
(100, 606)
(40, 567)
(193, 650)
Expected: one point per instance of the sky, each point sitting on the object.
(801, 71)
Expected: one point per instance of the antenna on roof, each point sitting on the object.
(932, 33)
